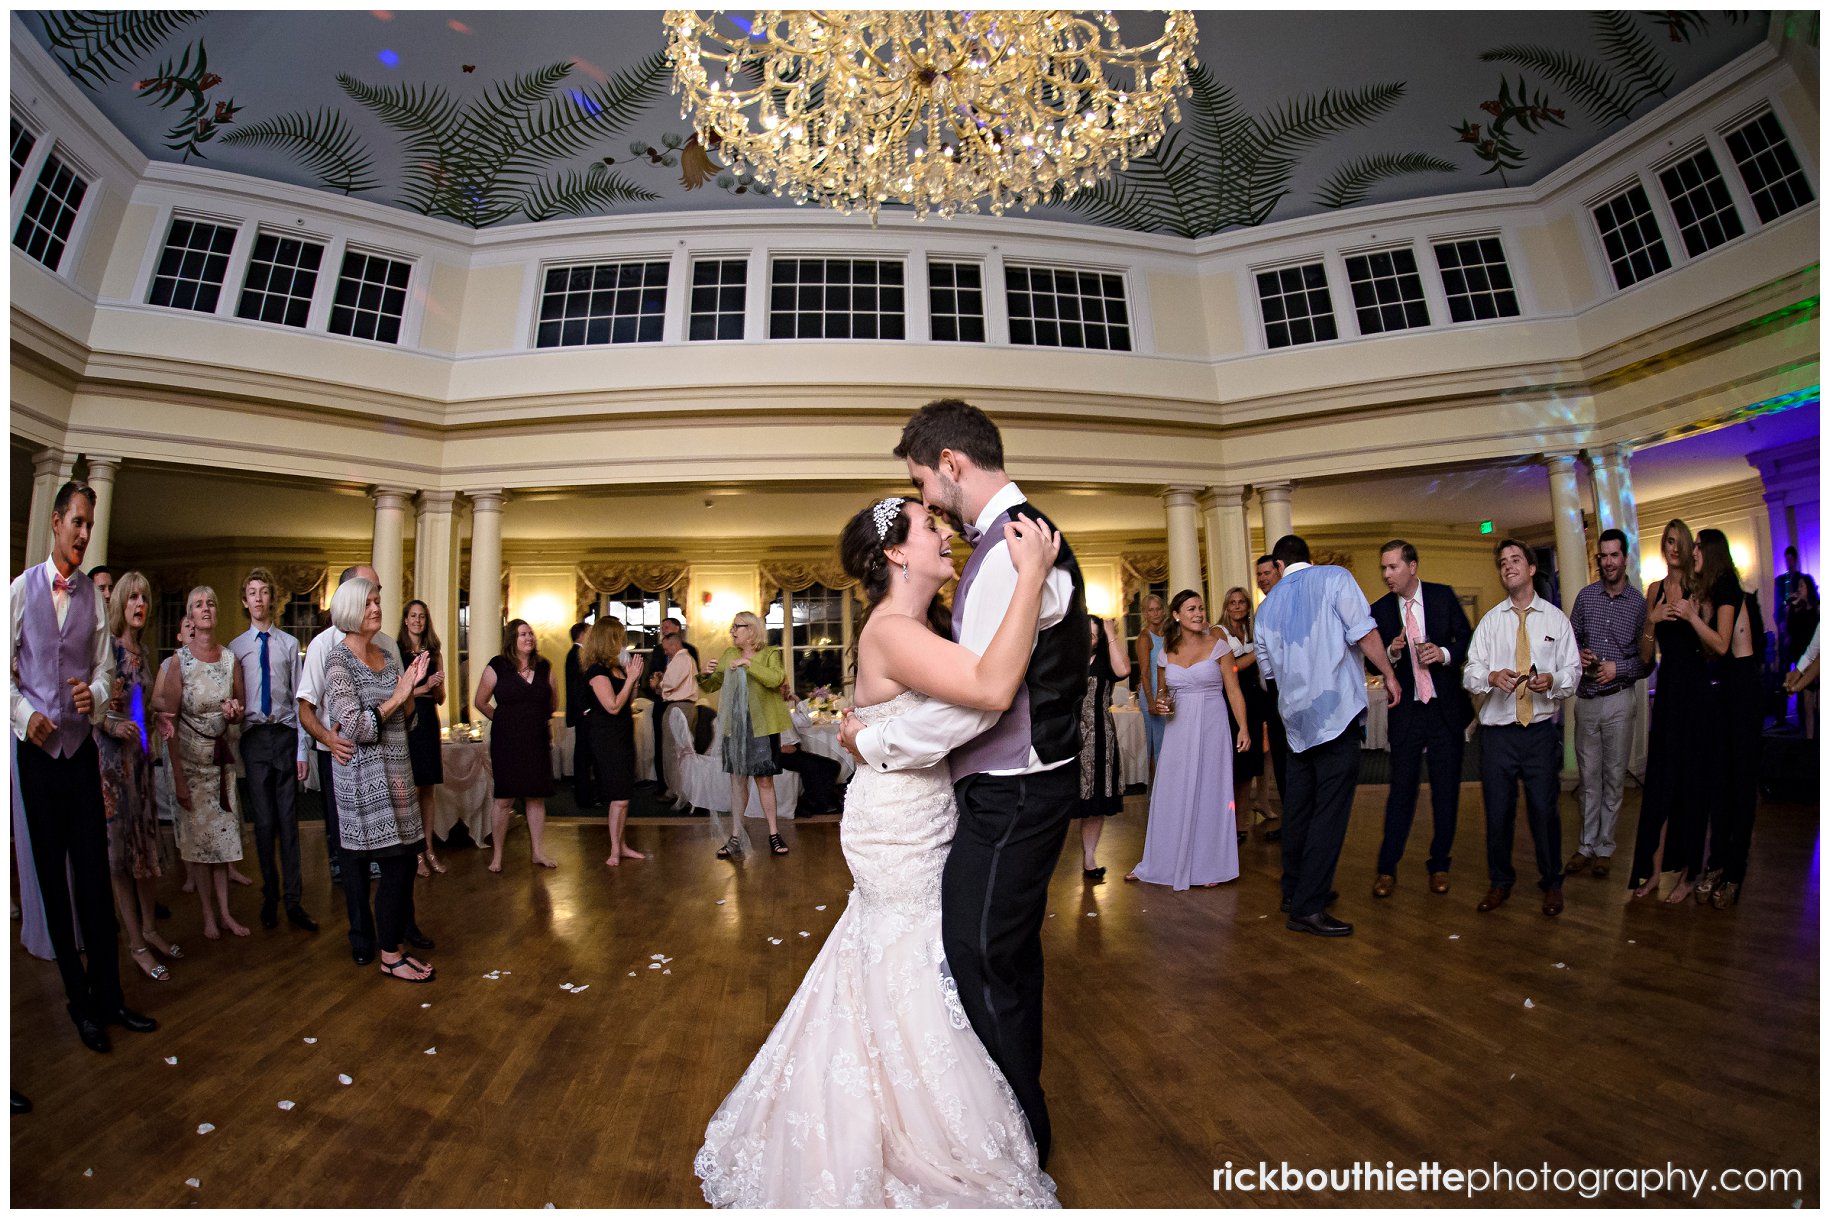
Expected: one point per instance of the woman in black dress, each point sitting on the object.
(1102, 784)
(517, 695)
(1727, 622)
(423, 746)
(609, 725)
(1672, 811)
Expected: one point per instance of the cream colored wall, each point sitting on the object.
(110, 210)
(1220, 308)
(1562, 280)
(441, 330)
(490, 312)
(1177, 314)
(132, 238)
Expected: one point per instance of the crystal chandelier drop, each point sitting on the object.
(937, 110)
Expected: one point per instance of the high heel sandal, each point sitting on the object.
(732, 846)
(423, 870)
(776, 845)
(1727, 894)
(438, 865)
(158, 972)
(170, 951)
(1707, 885)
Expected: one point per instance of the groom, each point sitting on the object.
(1014, 776)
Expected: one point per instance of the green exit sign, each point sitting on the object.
(1486, 527)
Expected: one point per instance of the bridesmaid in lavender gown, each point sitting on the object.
(1190, 838)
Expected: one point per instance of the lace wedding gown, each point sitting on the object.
(873, 1090)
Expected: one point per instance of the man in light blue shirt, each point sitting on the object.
(1313, 629)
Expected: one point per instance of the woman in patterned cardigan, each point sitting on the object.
(366, 700)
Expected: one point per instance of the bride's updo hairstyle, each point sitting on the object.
(877, 527)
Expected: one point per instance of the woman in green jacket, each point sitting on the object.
(751, 719)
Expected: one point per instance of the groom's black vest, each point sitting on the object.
(1046, 711)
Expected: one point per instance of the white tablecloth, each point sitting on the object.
(466, 793)
(823, 738)
(1133, 745)
(1377, 716)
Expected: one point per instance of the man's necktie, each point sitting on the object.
(1426, 688)
(1521, 664)
(266, 680)
(60, 596)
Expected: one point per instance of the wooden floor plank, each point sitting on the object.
(1184, 1030)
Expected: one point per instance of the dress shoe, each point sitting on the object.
(1284, 908)
(90, 1030)
(270, 915)
(1383, 886)
(1600, 870)
(1273, 835)
(1553, 902)
(298, 918)
(1496, 897)
(21, 1102)
(362, 956)
(131, 1020)
(1578, 864)
(420, 940)
(1319, 924)
(1439, 882)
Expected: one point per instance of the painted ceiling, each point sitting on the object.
(496, 117)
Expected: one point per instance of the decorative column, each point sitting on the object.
(1228, 563)
(432, 579)
(1614, 505)
(1572, 563)
(50, 470)
(1274, 506)
(385, 557)
(101, 480)
(1184, 539)
(485, 581)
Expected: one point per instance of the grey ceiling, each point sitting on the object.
(1333, 68)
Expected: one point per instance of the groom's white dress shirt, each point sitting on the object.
(926, 733)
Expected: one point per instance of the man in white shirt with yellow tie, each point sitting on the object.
(1522, 662)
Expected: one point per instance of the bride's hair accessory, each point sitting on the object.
(885, 513)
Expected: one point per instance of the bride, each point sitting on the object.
(872, 1090)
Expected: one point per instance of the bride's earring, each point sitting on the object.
(905, 571)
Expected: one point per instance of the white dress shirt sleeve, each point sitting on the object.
(1351, 607)
(1565, 659)
(21, 706)
(1809, 654)
(1265, 672)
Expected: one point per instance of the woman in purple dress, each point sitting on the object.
(1190, 839)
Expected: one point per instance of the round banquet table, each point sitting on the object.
(466, 793)
(1133, 745)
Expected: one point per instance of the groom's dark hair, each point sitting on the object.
(950, 423)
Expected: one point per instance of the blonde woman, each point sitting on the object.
(1672, 811)
(203, 691)
(608, 731)
(751, 719)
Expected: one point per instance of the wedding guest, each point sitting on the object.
(1426, 637)
(516, 694)
(1727, 621)
(204, 693)
(366, 695)
(63, 677)
(272, 748)
(1672, 818)
(425, 749)
(676, 683)
(1190, 836)
(1804, 675)
(1795, 606)
(1236, 624)
(122, 742)
(102, 576)
(1147, 655)
(750, 720)
(334, 750)
(1102, 784)
(608, 730)
(1608, 617)
(578, 702)
(1524, 658)
(1266, 572)
(1314, 627)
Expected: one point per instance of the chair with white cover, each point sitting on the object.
(696, 780)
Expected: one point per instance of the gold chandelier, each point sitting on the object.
(938, 110)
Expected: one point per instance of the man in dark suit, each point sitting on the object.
(583, 790)
(1426, 636)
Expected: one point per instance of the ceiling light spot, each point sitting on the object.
(388, 58)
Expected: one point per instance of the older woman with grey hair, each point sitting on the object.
(367, 698)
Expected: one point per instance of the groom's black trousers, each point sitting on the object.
(992, 900)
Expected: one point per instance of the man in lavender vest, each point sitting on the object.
(63, 672)
(1015, 774)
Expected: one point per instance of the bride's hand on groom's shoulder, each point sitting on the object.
(1033, 545)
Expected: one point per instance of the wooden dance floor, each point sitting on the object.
(1184, 1030)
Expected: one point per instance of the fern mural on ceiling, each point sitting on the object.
(1223, 167)
(94, 45)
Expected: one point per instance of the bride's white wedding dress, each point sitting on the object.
(872, 1089)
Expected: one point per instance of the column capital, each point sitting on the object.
(1223, 497)
(1179, 496)
(488, 499)
(391, 497)
(436, 501)
(102, 469)
(1560, 461)
(46, 462)
(1274, 491)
